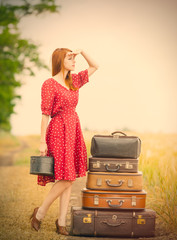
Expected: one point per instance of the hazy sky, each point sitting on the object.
(134, 42)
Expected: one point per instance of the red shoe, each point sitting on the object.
(35, 223)
(60, 229)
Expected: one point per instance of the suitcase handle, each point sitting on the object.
(112, 170)
(118, 132)
(114, 224)
(114, 185)
(115, 206)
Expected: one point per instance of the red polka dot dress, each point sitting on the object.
(64, 136)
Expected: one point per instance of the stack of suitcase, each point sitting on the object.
(113, 202)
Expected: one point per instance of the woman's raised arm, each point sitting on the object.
(93, 66)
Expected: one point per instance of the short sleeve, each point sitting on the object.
(47, 97)
(81, 78)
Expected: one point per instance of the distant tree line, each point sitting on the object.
(17, 54)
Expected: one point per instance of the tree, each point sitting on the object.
(16, 54)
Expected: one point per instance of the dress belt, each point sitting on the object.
(64, 111)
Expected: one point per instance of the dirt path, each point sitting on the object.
(19, 195)
(7, 158)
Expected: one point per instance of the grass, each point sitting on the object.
(8, 142)
(158, 162)
(30, 148)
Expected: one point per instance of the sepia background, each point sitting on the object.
(134, 90)
(134, 43)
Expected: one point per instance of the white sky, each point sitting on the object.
(133, 41)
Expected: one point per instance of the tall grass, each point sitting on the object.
(158, 162)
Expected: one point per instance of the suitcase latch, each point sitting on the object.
(96, 165)
(130, 183)
(140, 220)
(114, 217)
(99, 181)
(96, 200)
(87, 219)
(128, 165)
(133, 201)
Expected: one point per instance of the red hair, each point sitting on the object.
(58, 65)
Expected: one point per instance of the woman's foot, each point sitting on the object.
(35, 223)
(60, 229)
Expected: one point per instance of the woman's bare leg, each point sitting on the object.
(64, 202)
(53, 194)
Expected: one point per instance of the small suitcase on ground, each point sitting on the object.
(113, 165)
(103, 223)
(115, 146)
(95, 199)
(115, 181)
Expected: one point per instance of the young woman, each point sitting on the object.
(62, 138)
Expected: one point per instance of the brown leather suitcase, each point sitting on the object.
(112, 223)
(98, 164)
(115, 181)
(95, 199)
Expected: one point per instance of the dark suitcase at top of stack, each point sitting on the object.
(115, 146)
(112, 223)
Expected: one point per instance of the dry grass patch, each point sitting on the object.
(20, 194)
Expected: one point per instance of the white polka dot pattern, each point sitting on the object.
(64, 136)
